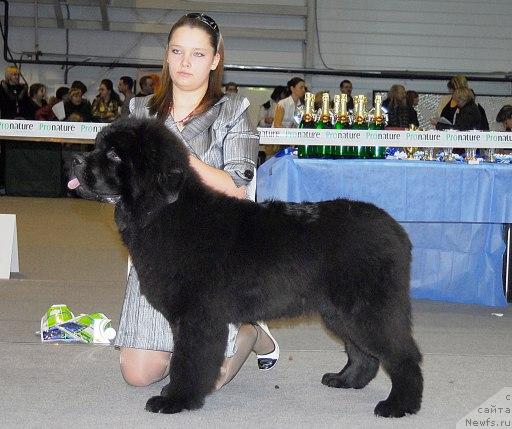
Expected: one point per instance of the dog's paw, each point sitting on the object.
(165, 405)
(343, 380)
(335, 379)
(390, 408)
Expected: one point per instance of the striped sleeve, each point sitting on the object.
(239, 141)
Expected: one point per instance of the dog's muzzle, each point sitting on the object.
(74, 184)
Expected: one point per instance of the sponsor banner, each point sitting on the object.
(456, 139)
(51, 129)
(286, 136)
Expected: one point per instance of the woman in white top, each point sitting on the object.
(285, 109)
(268, 109)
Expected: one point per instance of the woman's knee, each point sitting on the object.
(143, 367)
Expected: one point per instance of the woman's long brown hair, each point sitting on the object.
(161, 102)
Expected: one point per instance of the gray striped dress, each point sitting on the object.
(222, 137)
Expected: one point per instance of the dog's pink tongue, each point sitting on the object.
(73, 183)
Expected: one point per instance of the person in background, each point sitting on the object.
(447, 105)
(78, 84)
(146, 86)
(62, 94)
(285, 109)
(484, 124)
(125, 87)
(467, 117)
(76, 108)
(413, 99)
(504, 117)
(267, 109)
(346, 88)
(36, 100)
(155, 82)
(12, 93)
(265, 119)
(105, 107)
(231, 88)
(400, 115)
(46, 113)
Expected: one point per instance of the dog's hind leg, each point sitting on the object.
(197, 357)
(402, 365)
(394, 347)
(360, 369)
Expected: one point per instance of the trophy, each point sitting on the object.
(491, 154)
(471, 155)
(448, 154)
(428, 154)
(410, 150)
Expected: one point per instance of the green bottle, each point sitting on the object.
(342, 123)
(308, 121)
(324, 122)
(377, 123)
(360, 122)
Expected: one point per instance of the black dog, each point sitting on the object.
(205, 259)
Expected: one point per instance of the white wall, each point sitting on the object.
(435, 35)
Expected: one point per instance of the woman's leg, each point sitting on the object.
(144, 367)
(250, 338)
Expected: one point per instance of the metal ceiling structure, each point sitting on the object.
(307, 35)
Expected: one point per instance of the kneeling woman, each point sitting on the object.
(223, 145)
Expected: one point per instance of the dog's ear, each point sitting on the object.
(170, 183)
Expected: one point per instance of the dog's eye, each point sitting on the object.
(113, 156)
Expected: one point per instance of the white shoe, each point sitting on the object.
(267, 361)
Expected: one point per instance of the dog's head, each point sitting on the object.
(139, 162)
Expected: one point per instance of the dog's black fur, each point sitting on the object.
(205, 259)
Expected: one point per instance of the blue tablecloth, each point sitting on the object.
(454, 214)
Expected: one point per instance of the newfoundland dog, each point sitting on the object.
(205, 260)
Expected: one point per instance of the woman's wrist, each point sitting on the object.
(217, 179)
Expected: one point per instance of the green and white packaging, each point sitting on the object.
(59, 324)
(55, 316)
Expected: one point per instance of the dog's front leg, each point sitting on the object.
(196, 360)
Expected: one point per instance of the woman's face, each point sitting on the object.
(299, 90)
(103, 91)
(41, 92)
(461, 101)
(507, 124)
(191, 58)
(76, 99)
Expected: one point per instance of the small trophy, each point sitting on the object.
(410, 150)
(471, 155)
(491, 154)
(448, 154)
(428, 154)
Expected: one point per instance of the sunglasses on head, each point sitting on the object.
(205, 19)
